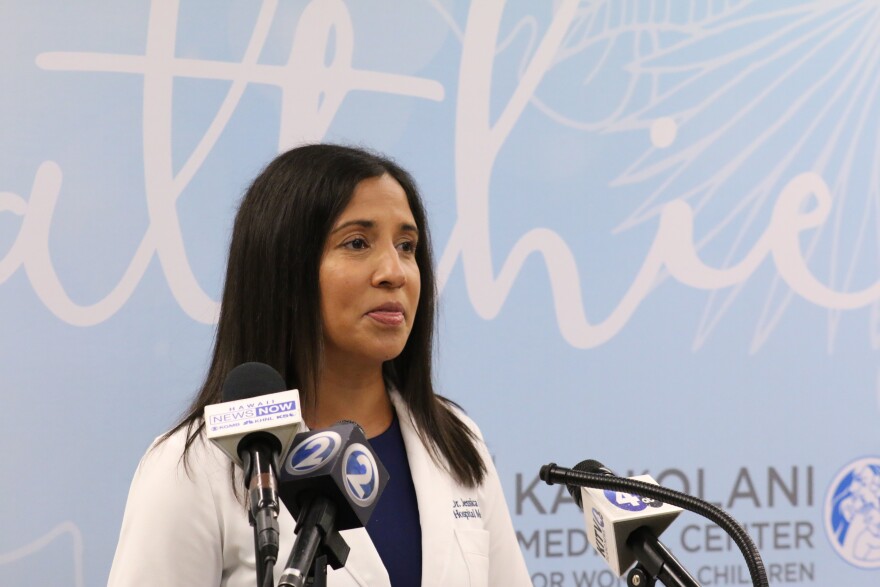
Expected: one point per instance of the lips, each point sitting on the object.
(389, 313)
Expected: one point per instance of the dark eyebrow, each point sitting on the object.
(361, 223)
(406, 227)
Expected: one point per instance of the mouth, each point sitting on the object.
(390, 313)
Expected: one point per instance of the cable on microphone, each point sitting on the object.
(599, 477)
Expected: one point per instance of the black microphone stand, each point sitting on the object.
(655, 563)
(317, 544)
(260, 479)
(646, 572)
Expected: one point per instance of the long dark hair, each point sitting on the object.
(270, 311)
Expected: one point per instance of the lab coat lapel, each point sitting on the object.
(433, 493)
(364, 565)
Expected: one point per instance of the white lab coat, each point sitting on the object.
(189, 529)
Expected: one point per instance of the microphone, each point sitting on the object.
(254, 425)
(623, 527)
(330, 480)
(651, 554)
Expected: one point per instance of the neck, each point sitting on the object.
(351, 394)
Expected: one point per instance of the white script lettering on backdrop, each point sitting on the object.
(685, 84)
(313, 93)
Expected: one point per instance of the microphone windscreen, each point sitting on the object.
(256, 406)
(336, 463)
(587, 466)
(357, 426)
(250, 380)
(593, 466)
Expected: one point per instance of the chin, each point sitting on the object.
(373, 354)
(388, 349)
(391, 354)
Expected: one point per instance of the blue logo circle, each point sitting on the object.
(630, 502)
(852, 513)
(313, 452)
(361, 474)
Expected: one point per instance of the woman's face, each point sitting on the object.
(368, 277)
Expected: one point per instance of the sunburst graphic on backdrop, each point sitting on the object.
(737, 98)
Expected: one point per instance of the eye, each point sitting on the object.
(408, 246)
(357, 244)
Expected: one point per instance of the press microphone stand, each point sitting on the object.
(654, 563)
(317, 544)
(260, 480)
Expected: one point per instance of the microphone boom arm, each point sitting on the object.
(554, 474)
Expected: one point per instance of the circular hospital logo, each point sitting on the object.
(852, 513)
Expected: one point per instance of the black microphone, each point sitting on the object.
(330, 480)
(553, 474)
(255, 424)
(623, 528)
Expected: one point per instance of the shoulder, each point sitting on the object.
(169, 453)
(175, 477)
(171, 476)
(180, 515)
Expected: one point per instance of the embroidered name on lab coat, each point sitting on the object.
(467, 509)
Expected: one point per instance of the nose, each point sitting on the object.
(389, 271)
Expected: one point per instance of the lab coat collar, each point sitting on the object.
(432, 484)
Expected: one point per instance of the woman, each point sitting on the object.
(330, 281)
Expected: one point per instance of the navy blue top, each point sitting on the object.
(394, 525)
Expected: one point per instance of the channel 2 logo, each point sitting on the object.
(852, 513)
(360, 474)
(631, 502)
(313, 452)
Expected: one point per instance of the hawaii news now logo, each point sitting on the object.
(852, 513)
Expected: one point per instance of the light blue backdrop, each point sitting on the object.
(657, 228)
